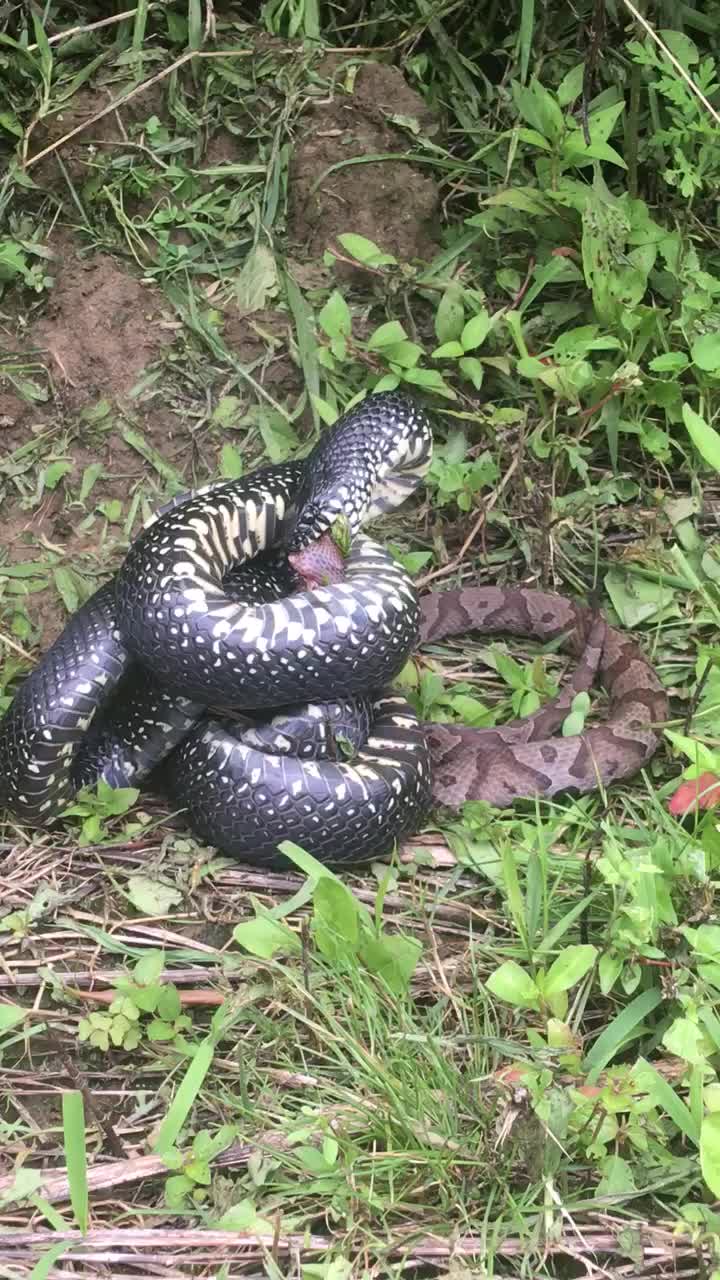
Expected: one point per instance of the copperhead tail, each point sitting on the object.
(501, 765)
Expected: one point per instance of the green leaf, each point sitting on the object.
(149, 967)
(539, 109)
(669, 362)
(609, 970)
(278, 436)
(147, 451)
(231, 462)
(662, 1094)
(513, 984)
(705, 438)
(710, 1152)
(258, 280)
(570, 86)
(185, 1096)
(10, 1015)
(335, 319)
(66, 588)
(169, 1006)
(570, 966)
(90, 476)
(471, 368)
(574, 722)
(111, 510)
(74, 1140)
(365, 251)
(476, 331)
(621, 1029)
(151, 897)
(265, 937)
(405, 354)
(386, 335)
(705, 352)
(392, 958)
(450, 315)
(684, 1039)
(159, 1031)
(54, 472)
(10, 123)
(336, 923)
(448, 350)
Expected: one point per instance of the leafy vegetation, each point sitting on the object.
(504, 1046)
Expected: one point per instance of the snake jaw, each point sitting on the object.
(320, 564)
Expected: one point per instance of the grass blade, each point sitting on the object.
(74, 1140)
(615, 1035)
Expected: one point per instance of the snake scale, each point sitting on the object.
(242, 665)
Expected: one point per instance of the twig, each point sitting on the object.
(491, 502)
(671, 58)
(133, 93)
(657, 1243)
(597, 32)
(17, 648)
(92, 26)
(198, 995)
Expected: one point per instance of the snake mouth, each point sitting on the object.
(320, 564)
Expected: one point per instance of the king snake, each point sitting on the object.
(234, 602)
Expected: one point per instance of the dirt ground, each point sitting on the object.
(101, 328)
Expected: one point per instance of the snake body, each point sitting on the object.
(207, 609)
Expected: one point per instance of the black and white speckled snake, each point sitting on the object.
(206, 610)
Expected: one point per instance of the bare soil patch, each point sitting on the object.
(388, 201)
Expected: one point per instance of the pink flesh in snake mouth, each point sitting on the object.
(320, 564)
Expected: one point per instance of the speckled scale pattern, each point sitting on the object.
(52, 711)
(343, 639)
(247, 802)
(196, 604)
(314, 730)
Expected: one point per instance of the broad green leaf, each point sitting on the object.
(266, 938)
(570, 86)
(365, 250)
(448, 350)
(151, 897)
(570, 966)
(705, 352)
(476, 331)
(539, 109)
(609, 970)
(705, 438)
(710, 1152)
(393, 958)
(258, 280)
(149, 967)
(335, 319)
(669, 362)
(472, 369)
(54, 472)
(450, 315)
(231, 462)
(336, 926)
(512, 983)
(684, 1039)
(10, 1015)
(386, 335)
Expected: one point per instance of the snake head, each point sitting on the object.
(320, 564)
(339, 513)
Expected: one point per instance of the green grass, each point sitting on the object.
(501, 1051)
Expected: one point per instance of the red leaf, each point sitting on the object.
(698, 793)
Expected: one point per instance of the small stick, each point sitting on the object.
(491, 502)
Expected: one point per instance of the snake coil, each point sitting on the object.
(207, 608)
